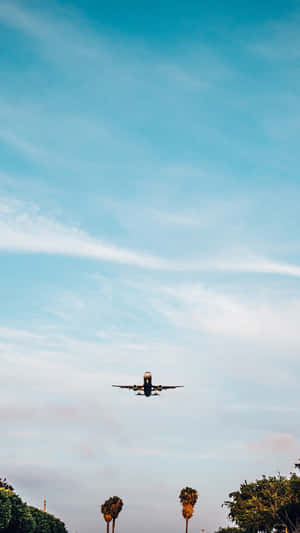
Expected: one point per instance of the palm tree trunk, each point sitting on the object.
(113, 525)
(107, 527)
(186, 525)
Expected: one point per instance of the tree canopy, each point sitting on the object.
(5, 485)
(267, 504)
(18, 517)
(111, 509)
(188, 496)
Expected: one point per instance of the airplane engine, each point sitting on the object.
(135, 387)
(159, 387)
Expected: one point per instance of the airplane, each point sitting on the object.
(147, 388)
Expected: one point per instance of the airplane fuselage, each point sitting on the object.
(147, 384)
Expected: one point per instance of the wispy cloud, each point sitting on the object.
(66, 38)
(272, 320)
(29, 231)
(24, 229)
(22, 145)
(54, 32)
(18, 334)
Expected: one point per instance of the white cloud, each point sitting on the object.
(24, 146)
(55, 33)
(24, 229)
(13, 14)
(253, 318)
(18, 335)
(66, 38)
(58, 362)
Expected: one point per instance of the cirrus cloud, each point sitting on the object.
(24, 229)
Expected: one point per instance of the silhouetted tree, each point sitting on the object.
(105, 510)
(116, 505)
(5, 485)
(188, 498)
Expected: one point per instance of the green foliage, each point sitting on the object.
(43, 524)
(18, 517)
(267, 504)
(47, 523)
(28, 524)
(5, 508)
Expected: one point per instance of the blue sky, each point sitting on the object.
(149, 215)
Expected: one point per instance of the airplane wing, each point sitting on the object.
(132, 387)
(165, 387)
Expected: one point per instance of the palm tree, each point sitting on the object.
(105, 510)
(187, 513)
(116, 505)
(188, 498)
